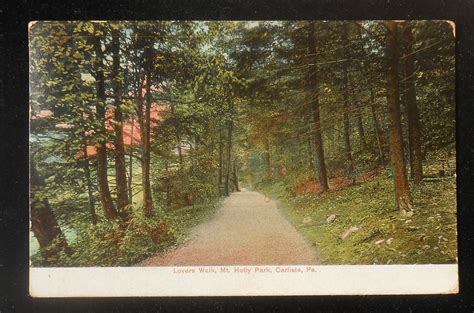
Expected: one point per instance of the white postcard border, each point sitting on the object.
(230, 280)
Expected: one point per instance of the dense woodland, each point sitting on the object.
(138, 129)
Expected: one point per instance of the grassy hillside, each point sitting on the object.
(383, 236)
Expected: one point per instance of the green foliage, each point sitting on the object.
(118, 244)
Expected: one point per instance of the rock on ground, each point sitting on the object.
(348, 232)
(331, 218)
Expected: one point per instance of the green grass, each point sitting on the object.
(429, 236)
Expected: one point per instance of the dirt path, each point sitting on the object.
(247, 229)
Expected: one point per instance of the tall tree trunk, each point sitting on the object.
(139, 108)
(180, 154)
(377, 128)
(44, 224)
(178, 140)
(228, 157)
(87, 177)
(358, 111)
(402, 191)
(130, 163)
(193, 157)
(234, 175)
(90, 192)
(147, 197)
(310, 154)
(360, 129)
(168, 184)
(120, 167)
(105, 198)
(221, 163)
(88, 180)
(364, 68)
(359, 122)
(314, 100)
(268, 164)
(346, 116)
(413, 115)
(347, 141)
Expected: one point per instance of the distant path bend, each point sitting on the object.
(247, 229)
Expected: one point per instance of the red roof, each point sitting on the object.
(130, 129)
(92, 151)
(131, 134)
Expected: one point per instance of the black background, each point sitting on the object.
(14, 146)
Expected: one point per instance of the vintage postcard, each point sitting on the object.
(224, 158)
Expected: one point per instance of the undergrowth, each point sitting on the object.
(124, 244)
